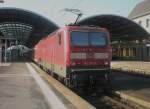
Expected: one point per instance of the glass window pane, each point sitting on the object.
(98, 39)
(79, 38)
(147, 22)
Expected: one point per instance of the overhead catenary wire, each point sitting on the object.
(74, 6)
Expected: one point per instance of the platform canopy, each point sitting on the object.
(120, 28)
(25, 26)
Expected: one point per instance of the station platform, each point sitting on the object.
(132, 88)
(136, 67)
(19, 89)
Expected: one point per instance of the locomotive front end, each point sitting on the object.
(90, 55)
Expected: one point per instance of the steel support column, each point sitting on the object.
(0, 51)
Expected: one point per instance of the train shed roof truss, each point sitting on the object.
(119, 27)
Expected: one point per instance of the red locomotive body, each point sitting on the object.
(77, 54)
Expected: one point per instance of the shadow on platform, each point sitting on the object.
(126, 82)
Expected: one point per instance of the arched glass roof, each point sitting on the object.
(26, 26)
(17, 30)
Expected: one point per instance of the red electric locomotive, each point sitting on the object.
(80, 55)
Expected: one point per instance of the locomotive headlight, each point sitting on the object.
(78, 55)
(101, 55)
(106, 63)
(73, 63)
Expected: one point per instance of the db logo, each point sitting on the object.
(90, 55)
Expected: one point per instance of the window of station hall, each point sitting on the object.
(147, 22)
(140, 22)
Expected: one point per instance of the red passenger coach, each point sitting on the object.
(80, 55)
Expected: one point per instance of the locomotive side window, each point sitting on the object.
(59, 38)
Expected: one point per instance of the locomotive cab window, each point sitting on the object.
(79, 38)
(98, 38)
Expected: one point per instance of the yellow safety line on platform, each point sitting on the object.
(50, 96)
(76, 100)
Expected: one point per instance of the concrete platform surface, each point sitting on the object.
(133, 86)
(132, 66)
(18, 89)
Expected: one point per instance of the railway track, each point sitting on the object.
(107, 100)
(110, 101)
(104, 100)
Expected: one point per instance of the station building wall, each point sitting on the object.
(143, 52)
(143, 21)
